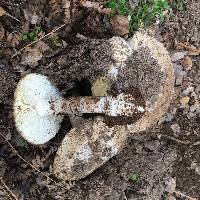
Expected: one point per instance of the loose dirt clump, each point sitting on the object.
(142, 72)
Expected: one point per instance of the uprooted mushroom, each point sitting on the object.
(39, 107)
(89, 145)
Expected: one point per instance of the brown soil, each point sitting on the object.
(155, 155)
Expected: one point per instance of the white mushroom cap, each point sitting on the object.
(32, 109)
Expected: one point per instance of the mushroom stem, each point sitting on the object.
(121, 105)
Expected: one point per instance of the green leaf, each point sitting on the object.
(34, 38)
(112, 5)
(24, 37)
(134, 177)
(31, 34)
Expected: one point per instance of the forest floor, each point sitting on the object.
(163, 163)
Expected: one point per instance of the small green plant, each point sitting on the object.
(33, 35)
(53, 40)
(134, 177)
(179, 5)
(23, 144)
(144, 12)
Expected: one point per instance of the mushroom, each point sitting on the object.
(88, 146)
(39, 107)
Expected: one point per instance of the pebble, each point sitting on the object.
(184, 101)
(175, 128)
(187, 91)
(178, 56)
(179, 74)
(170, 185)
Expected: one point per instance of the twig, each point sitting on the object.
(7, 194)
(48, 34)
(14, 196)
(181, 195)
(27, 161)
(176, 140)
(12, 17)
(190, 48)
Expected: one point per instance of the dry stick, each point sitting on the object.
(190, 48)
(48, 34)
(27, 161)
(7, 194)
(8, 189)
(176, 140)
(12, 17)
(181, 195)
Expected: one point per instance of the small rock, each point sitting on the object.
(184, 101)
(179, 74)
(193, 108)
(187, 91)
(175, 128)
(170, 185)
(178, 56)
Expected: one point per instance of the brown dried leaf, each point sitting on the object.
(187, 63)
(55, 9)
(13, 39)
(32, 55)
(2, 11)
(120, 25)
(67, 9)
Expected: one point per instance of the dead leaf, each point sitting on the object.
(193, 51)
(184, 101)
(187, 63)
(13, 39)
(178, 56)
(2, 11)
(120, 25)
(32, 55)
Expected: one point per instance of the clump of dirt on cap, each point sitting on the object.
(86, 59)
(142, 72)
(7, 85)
(124, 120)
(141, 77)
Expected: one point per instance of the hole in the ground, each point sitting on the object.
(82, 88)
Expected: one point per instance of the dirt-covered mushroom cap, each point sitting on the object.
(31, 111)
(92, 143)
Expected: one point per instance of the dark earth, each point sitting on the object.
(165, 160)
